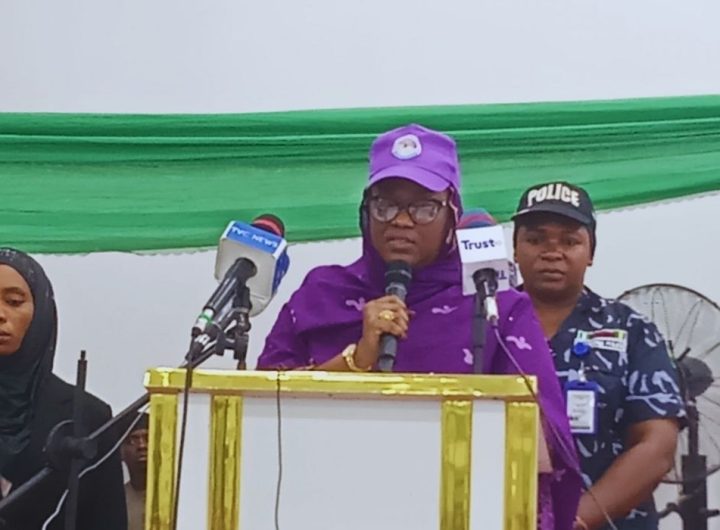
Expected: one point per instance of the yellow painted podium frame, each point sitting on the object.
(456, 392)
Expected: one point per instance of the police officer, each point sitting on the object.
(621, 386)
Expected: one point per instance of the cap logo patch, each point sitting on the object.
(553, 192)
(407, 147)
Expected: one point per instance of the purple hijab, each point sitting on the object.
(325, 315)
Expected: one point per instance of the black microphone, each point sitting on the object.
(486, 284)
(240, 271)
(397, 279)
(251, 261)
(247, 250)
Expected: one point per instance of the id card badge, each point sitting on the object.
(581, 397)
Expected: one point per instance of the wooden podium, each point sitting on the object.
(345, 451)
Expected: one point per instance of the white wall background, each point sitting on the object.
(236, 56)
(134, 311)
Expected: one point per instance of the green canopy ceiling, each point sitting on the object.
(85, 183)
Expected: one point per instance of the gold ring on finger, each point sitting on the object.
(386, 314)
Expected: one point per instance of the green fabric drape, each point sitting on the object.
(84, 183)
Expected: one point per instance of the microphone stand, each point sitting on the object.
(238, 317)
(692, 505)
(241, 308)
(478, 332)
(76, 446)
(486, 285)
(66, 442)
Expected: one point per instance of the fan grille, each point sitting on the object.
(690, 323)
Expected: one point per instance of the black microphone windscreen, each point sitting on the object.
(398, 272)
(270, 223)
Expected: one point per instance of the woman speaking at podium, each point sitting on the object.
(33, 401)
(335, 320)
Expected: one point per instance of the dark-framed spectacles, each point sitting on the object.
(421, 212)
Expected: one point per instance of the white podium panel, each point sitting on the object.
(487, 494)
(338, 451)
(376, 463)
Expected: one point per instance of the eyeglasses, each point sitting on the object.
(421, 212)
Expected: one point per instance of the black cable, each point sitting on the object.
(94, 466)
(555, 433)
(189, 367)
(134, 409)
(181, 444)
(208, 350)
(280, 455)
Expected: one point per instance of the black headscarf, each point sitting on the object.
(22, 373)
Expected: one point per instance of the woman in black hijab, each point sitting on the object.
(33, 400)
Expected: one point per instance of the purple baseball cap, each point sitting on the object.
(426, 157)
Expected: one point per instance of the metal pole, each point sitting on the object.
(77, 463)
(694, 468)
